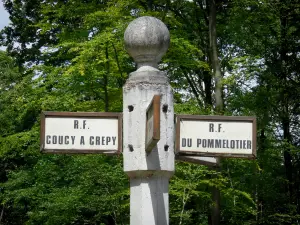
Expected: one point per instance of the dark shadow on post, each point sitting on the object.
(159, 186)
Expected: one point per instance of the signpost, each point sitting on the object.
(148, 137)
(153, 123)
(81, 132)
(221, 136)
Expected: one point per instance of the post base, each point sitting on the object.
(149, 200)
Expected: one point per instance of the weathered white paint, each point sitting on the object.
(139, 95)
(97, 133)
(149, 200)
(146, 41)
(228, 137)
(149, 173)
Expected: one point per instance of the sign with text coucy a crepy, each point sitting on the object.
(81, 132)
(217, 136)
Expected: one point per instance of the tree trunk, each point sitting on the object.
(215, 214)
(214, 57)
(208, 87)
(284, 98)
(106, 100)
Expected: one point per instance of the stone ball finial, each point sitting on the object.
(147, 40)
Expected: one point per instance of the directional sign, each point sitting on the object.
(222, 136)
(207, 161)
(81, 132)
(153, 123)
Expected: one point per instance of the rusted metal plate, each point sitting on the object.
(153, 123)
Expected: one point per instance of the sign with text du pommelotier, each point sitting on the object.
(81, 132)
(216, 136)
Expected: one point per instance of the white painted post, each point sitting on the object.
(147, 40)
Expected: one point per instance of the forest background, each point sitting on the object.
(69, 55)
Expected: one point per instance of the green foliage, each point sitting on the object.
(69, 56)
(8, 72)
(189, 193)
(70, 189)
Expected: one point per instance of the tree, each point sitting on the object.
(69, 56)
